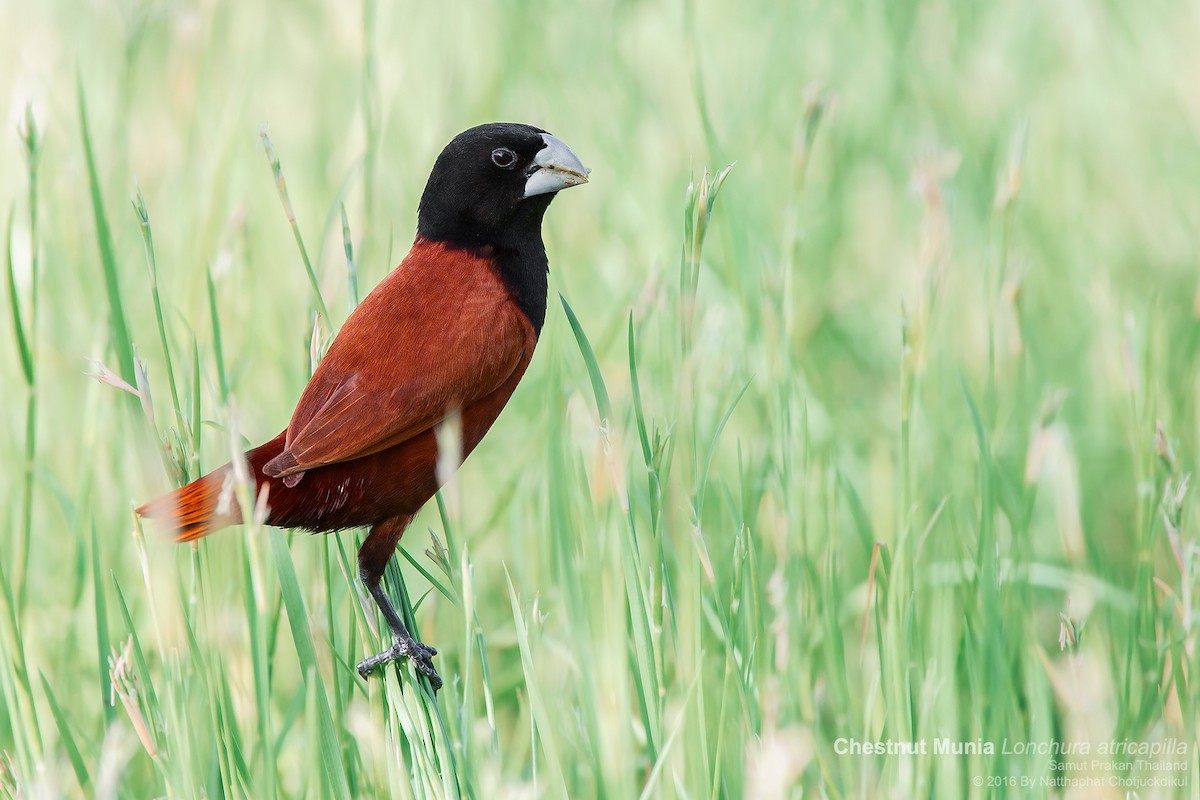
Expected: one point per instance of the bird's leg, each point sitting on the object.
(403, 644)
(376, 551)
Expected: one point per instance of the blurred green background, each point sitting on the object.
(917, 469)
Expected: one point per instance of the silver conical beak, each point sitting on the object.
(555, 167)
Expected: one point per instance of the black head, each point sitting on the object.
(492, 184)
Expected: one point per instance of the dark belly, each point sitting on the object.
(365, 491)
(391, 483)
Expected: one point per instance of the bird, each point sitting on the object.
(446, 334)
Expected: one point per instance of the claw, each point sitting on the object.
(420, 654)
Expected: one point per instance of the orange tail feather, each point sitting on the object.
(194, 511)
(191, 512)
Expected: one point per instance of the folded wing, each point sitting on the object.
(438, 334)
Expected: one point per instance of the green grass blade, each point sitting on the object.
(196, 418)
(348, 247)
(635, 388)
(141, 666)
(538, 703)
(441, 587)
(122, 343)
(218, 349)
(589, 358)
(281, 185)
(103, 646)
(327, 737)
(14, 676)
(67, 737)
(258, 658)
(143, 218)
(22, 339)
(712, 446)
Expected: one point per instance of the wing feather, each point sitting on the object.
(437, 334)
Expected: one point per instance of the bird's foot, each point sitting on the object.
(419, 653)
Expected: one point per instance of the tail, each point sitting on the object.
(190, 512)
(198, 509)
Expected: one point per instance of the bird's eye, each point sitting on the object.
(503, 157)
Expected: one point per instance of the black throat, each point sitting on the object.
(524, 272)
